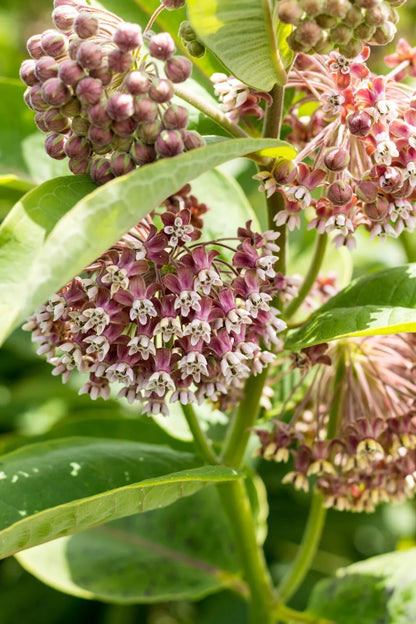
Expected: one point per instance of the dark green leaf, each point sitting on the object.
(184, 551)
(55, 488)
(381, 590)
(16, 123)
(381, 303)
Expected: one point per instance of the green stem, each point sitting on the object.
(310, 277)
(307, 549)
(236, 504)
(290, 615)
(200, 440)
(274, 113)
(409, 246)
(239, 432)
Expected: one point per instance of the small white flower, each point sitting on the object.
(98, 345)
(179, 232)
(143, 345)
(92, 318)
(257, 301)
(206, 279)
(121, 373)
(169, 327)
(186, 300)
(193, 364)
(235, 319)
(198, 330)
(159, 382)
(142, 309)
(385, 151)
(264, 266)
(116, 277)
(57, 306)
(333, 101)
(299, 194)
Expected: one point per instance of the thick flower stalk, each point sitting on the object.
(100, 95)
(354, 431)
(357, 152)
(166, 318)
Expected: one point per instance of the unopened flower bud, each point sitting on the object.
(70, 72)
(284, 171)
(142, 153)
(79, 167)
(186, 32)
(98, 116)
(36, 99)
(360, 123)
(119, 61)
(169, 143)
(125, 127)
(354, 17)
(121, 163)
(326, 21)
(149, 131)
(339, 193)
(77, 147)
(145, 109)
(64, 17)
(377, 210)
(162, 46)
(121, 143)
(170, 5)
(55, 92)
(364, 32)
(352, 49)
(73, 3)
(34, 48)
(368, 4)
(73, 46)
(101, 171)
(45, 68)
(196, 49)
(161, 90)
(54, 145)
(137, 82)
(336, 159)
(102, 73)
(366, 190)
(55, 121)
(313, 7)
(53, 43)
(120, 106)
(308, 33)
(100, 136)
(384, 34)
(128, 36)
(289, 12)
(191, 139)
(40, 122)
(89, 90)
(340, 35)
(89, 55)
(175, 117)
(338, 8)
(80, 126)
(27, 72)
(178, 69)
(377, 15)
(72, 108)
(86, 25)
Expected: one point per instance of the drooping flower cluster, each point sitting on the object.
(165, 316)
(98, 93)
(344, 25)
(361, 139)
(237, 99)
(354, 431)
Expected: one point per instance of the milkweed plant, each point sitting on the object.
(205, 148)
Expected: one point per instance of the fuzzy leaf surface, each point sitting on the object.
(381, 303)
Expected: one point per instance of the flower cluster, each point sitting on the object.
(324, 25)
(354, 430)
(360, 146)
(165, 316)
(237, 99)
(98, 93)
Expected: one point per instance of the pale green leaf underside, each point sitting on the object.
(96, 222)
(60, 487)
(380, 590)
(241, 35)
(381, 303)
(165, 554)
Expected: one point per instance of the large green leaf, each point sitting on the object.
(183, 551)
(241, 34)
(55, 488)
(11, 190)
(96, 222)
(381, 590)
(381, 303)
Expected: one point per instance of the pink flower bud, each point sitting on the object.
(308, 33)
(53, 43)
(191, 139)
(34, 48)
(366, 190)
(340, 193)
(55, 92)
(289, 12)
(102, 73)
(162, 46)
(145, 109)
(45, 68)
(175, 117)
(64, 17)
(40, 122)
(101, 171)
(54, 145)
(72, 108)
(70, 72)
(36, 99)
(149, 131)
(77, 147)
(384, 34)
(89, 55)
(169, 144)
(100, 136)
(128, 36)
(161, 90)
(121, 144)
(120, 106)
(142, 153)
(98, 116)
(86, 25)
(137, 82)
(360, 123)
(121, 164)
(178, 69)
(336, 159)
(378, 210)
(119, 61)
(170, 5)
(27, 72)
(79, 167)
(80, 126)
(352, 49)
(89, 90)
(125, 127)
(73, 47)
(284, 171)
(55, 121)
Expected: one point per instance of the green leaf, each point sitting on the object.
(11, 190)
(16, 123)
(381, 303)
(241, 35)
(94, 224)
(286, 53)
(380, 590)
(24, 231)
(184, 551)
(60, 487)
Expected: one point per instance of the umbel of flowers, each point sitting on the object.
(354, 431)
(356, 164)
(100, 94)
(164, 317)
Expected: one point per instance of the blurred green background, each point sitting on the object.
(32, 401)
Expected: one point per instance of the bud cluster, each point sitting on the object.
(99, 96)
(344, 25)
(354, 433)
(165, 317)
(360, 146)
